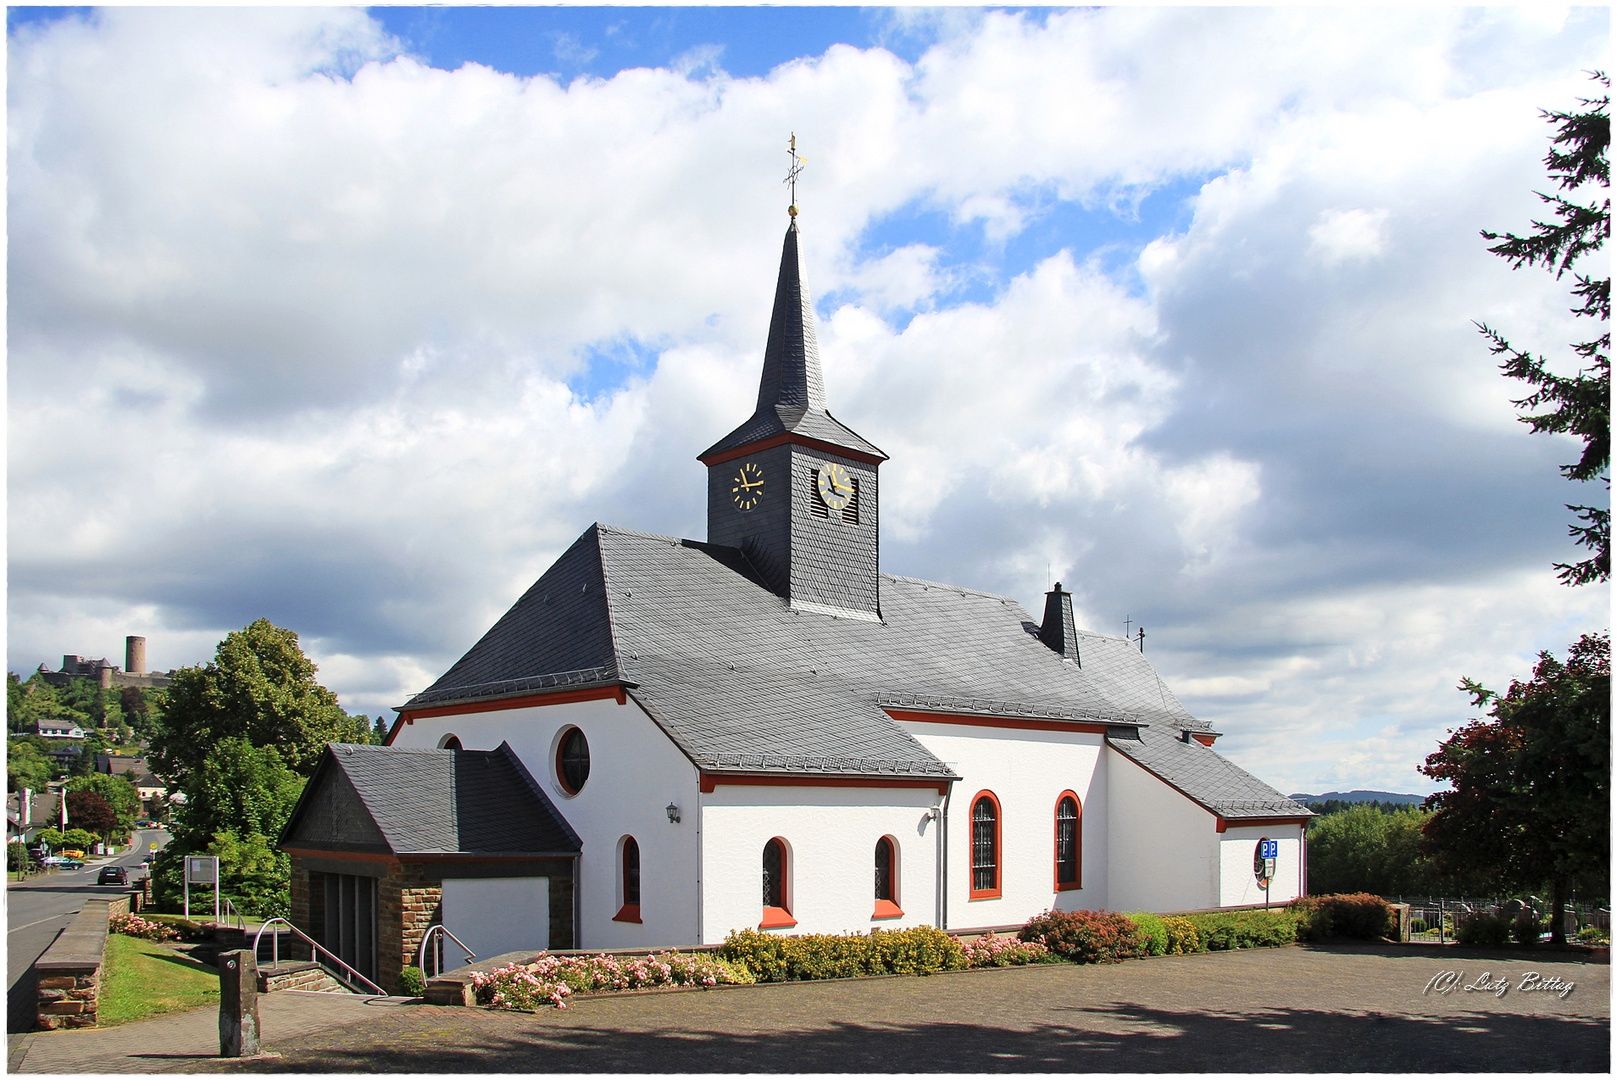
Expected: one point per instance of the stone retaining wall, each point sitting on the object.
(70, 970)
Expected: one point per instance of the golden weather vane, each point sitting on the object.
(791, 173)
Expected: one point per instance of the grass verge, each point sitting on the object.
(141, 979)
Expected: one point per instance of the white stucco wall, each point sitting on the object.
(1238, 885)
(1165, 848)
(1027, 770)
(635, 771)
(495, 915)
(831, 835)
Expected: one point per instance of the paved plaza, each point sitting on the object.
(1301, 1009)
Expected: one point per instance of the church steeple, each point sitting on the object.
(792, 356)
(793, 487)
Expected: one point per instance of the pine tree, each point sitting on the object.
(1577, 404)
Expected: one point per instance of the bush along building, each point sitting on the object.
(666, 739)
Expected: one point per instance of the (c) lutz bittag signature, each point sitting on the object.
(1446, 982)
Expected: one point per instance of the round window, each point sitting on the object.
(573, 761)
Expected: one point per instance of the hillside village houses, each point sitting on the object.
(664, 739)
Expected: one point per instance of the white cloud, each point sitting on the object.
(284, 342)
(1343, 235)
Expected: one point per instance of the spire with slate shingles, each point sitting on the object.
(792, 356)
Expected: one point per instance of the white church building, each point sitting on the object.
(665, 740)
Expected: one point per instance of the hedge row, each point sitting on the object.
(1084, 937)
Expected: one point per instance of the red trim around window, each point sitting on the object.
(1205, 740)
(627, 913)
(1077, 841)
(999, 849)
(776, 918)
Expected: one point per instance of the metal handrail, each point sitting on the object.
(232, 911)
(275, 943)
(426, 939)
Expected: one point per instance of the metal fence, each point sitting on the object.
(1435, 918)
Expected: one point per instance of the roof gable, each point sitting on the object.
(559, 633)
(418, 801)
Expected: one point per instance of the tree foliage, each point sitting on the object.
(1370, 848)
(91, 812)
(240, 737)
(259, 687)
(1529, 796)
(1578, 404)
(27, 766)
(119, 793)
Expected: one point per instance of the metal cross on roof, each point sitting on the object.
(791, 174)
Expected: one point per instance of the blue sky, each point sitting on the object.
(1176, 303)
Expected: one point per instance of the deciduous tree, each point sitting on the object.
(259, 687)
(1529, 795)
(1575, 404)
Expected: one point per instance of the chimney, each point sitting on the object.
(1058, 629)
(135, 655)
(25, 807)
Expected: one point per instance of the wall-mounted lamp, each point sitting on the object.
(673, 813)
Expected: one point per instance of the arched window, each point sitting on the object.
(630, 869)
(573, 761)
(984, 846)
(776, 893)
(450, 742)
(1069, 843)
(886, 880)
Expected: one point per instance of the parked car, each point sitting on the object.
(73, 853)
(113, 875)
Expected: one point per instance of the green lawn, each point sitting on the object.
(142, 978)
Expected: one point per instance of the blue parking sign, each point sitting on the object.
(1271, 849)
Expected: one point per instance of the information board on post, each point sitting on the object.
(202, 870)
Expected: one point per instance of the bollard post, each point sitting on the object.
(238, 1004)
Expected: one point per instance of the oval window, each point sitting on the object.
(573, 761)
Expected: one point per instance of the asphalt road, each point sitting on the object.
(39, 909)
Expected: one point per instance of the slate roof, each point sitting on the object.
(791, 393)
(440, 801)
(741, 682)
(1206, 777)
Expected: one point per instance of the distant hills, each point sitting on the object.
(1358, 796)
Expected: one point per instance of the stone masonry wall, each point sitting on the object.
(407, 904)
(70, 970)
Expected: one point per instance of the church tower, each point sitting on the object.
(793, 487)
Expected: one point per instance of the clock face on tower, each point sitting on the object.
(747, 486)
(836, 486)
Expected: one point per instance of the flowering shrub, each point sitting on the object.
(515, 986)
(991, 951)
(549, 979)
(135, 926)
(1086, 937)
(1154, 929)
(919, 950)
(1182, 935)
(1351, 915)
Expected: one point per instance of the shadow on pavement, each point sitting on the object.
(1099, 1039)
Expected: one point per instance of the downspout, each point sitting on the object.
(701, 911)
(943, 862)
